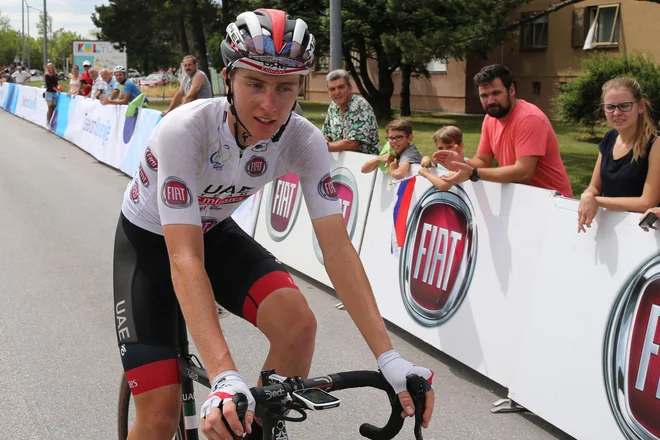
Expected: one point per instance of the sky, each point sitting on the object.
(72, 15)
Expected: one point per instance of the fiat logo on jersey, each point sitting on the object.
(632, 355)
(135, 192)
(284, 200)
(151, 159)
(439, 254)
(327, 189)
(256, 166)
(175, 193)
(343, 184)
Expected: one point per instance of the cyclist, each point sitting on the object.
(176, 239)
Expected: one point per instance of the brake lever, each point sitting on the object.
(417, 387)
(241, 403)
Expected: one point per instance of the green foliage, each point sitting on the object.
(578, 101)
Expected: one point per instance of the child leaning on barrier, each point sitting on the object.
(446, 138)
(398, 153)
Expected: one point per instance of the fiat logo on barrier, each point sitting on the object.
(347, 192)
(284, 200)
(632, 355)
(439, 256)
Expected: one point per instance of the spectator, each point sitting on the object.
(627, 172)
(86, 80)
(6, 77)
(514, 132)
(98, 85)
(51, 91)
(21, 75)
(128, 90)
(399, 152)
(351, 123)
(195, 85)
(448, 138)
(110, 86)
(75, 84)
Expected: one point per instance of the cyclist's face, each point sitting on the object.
(263, 102)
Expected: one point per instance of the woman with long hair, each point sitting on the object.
(627, 173)
(51, 90)
(75, 85)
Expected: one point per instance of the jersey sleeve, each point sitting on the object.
(178, 150)
(310, 160)
(531, 137)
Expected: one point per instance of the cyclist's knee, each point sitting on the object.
(286, 314)
(157, 412)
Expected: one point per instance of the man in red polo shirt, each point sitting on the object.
(86, 80)
(516, 133)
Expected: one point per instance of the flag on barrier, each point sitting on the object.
(404, 195)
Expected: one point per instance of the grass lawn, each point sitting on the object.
(578, 151)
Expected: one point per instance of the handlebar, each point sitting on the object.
(272, 395)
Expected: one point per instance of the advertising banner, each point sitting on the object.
(135, 134)
(31, 105)
(102, 54)
(454, 267)
(284, 226)
(94, 128)
(590, 337)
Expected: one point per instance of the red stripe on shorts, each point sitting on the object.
(154, 375)
(263, 287)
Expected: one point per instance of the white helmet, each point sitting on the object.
(86, 63)
(121, 69)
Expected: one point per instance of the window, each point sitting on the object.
(536, 87)
(595, 26)
(534, 34)
(437, 65)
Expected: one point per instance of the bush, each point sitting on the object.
(578, 101)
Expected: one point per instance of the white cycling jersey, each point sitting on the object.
(192, 171)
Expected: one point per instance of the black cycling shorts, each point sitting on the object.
(242, 275)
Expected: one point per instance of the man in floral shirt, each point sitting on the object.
(351, 123)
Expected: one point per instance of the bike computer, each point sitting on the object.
(316, 399)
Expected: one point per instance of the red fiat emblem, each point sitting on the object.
(438, 256)
(632, 355)
(284, 200)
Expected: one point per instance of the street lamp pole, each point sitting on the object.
(45, 37)
(23, 30)
(28, 22)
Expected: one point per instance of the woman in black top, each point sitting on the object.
(627, 173)
(51, 90)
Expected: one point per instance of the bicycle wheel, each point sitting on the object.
(126, 413)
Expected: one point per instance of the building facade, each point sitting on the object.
(540, 55)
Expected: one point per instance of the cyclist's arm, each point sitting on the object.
(350, 281)
(185, 245)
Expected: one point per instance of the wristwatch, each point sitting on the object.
(475, 175)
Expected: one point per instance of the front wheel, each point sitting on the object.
(126, 413)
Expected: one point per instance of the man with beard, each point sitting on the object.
(195, 85)
(516, 133)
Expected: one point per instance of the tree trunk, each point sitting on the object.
(183, 38)
(405, 89)
(198, 36)
(382, 101)
(226, 18)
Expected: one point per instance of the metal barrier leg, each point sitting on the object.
(507, 406)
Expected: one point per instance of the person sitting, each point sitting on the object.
(448, 138)
(350, 124)
(398, 153)
(627, 172)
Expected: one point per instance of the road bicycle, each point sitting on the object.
(280, 398)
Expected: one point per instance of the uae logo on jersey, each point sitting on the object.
(151, 159)
(135, 192)
(326, 188)
(256, 166)
(175, 193)
(143, 176)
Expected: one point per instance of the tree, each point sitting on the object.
(40, 24)
(63, 44)
(9, 41)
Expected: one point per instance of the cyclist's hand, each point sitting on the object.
(396, 370)
(220, 407)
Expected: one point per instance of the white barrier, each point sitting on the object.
(494, 275)
(284, 226)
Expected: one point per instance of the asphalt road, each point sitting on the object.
(59, 364)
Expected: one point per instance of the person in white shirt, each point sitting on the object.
(21, 75)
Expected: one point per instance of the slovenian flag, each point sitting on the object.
(404, 196)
